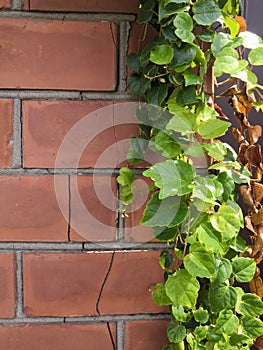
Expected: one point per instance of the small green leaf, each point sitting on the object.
(252, 327)
(226, 221)
(187, 96)
(145, 12)
(251, 305)
(201, 315)
(211, 239)
(206, 36)
(182, 288)
(159, 295)
(244, 269)
(226, 323)
(138, 146)
(232, 24)
(183, 120)
(168, 212)
(220, 41)
(250, 40)
(255, 56)
(166, 259)
(133, 62)
(184, 20)
(216, 150)
(162, 54)
(191, 78)
(200, 262)
(200, 332)
(157, 94)
(224, 271)
(173, 177)
(138, 85)
(206, 12)
(213, 128)
(125, 179)
(179, 314)
(175, 333)
(165, 144)
(225, 64)
(222, 297)
(183, 55)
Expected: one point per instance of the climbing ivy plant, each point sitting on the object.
(199, 43)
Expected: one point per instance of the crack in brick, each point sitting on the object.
(99, 298)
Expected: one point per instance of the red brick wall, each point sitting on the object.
(71, 275)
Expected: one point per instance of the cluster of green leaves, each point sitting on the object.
(196, 215)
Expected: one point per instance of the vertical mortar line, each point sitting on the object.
(69, 207)
(19, 285)
(120, 335)
(17, 5)
(123, 49)
(17, 158)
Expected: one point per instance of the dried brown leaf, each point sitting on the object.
(257, 218)
(242, 23)
(237, 135)
(253, 155)
(246, 195)
(242, 154)
(249, 224)
(258, 192)
(256, 286)
(254, 133)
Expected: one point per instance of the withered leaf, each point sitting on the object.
(259, 343)
(253, 155)
(246, 195)
(219, 110)
(242, 154)
(257, 218)
(237, 135)
(242, 23)
(249, 224)
(254, 133)
(256, 286)
(258, 192)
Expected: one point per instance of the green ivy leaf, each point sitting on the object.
(251, 305)
(220, 41)
(165, 144)
(159, 295)
(227, 323)
(173, 177)
(239, 340)
(232, 24)
(166, 2)
(224, 271)
(183, 55)
(200, 262)
(162, 54)
(250, 40)
(201, 315)
(175, 332)
(251, 327)
(201, 332)
(145, 12)
(216, 150)
(213, 128)
(226, 220)
(169, 212)
(225, 64)
(222, 297)
(164, 234)
(179, 314)
(138, 146)
(206, 12)
(255, 56)
(182, 288)
(133, 62)
(183, 120)
(227, 183)
(211, 239)
(125, 179)
(138, 85)
(244, 269)
(191, 78)
(166, 259)
(184, 24)
(157, 94)
(187, 96)
(171, 9)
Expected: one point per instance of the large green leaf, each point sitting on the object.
(168, 212)
(255, 56)
(162, 54)
(182, 288)
(164, 234)
(138, 85)
(251, 327)
(226, 221)
(250, 40)
(220, 41)
(183, 55)
(175, 332)
(138, 146)
(224, 271)
(200, 262)
(171, 8)
(213, 128)
(133, 62)
(165, 144)
(184, 24)
(157, 94)
(244, 269)
(187, 96)
(159, 295)
(173, 177)
(211, 239)
(206, 12)
(145, 12)
(227, 323)
(225, 64)
(183, 120)
(250, 305)
(191, 78)
(222, 297)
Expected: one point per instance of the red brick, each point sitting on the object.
(29, 209)
(142, 335)
(125, 6)
(7, 286)
(139, 38)
(5, 4)
(42, 54)
(53, 336)
(46, 123)
(63, 284)
(127, 288)
(6, 132)
(94, 213)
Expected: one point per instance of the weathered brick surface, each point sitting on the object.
(94, 206)
(127, 287)
(29, 209)
(63, 284)
(87, 125)
(6, 132)
(124, 6)
(70, 284)
(39, 54)
(145, 335)
(7, 285)
(50, 337)
(5, 4)
(140, 37)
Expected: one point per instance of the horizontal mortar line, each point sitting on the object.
(77, 248)
(65, 95)
(30, 320)
(115, 318)
(69, 16)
